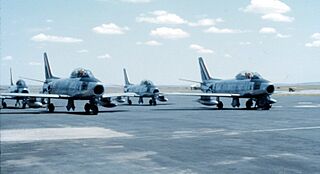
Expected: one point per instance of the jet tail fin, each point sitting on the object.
(11, 79)
(205, 75)
(47, 68)
(126, 79)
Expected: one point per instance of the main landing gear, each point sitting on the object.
(4, 104)
(220, 104)
(152, 102)
(91, 106)
(129, 101)
(51, 107)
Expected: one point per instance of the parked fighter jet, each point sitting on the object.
(81, 85)
(245, 85)
(20, 87)
(146, 89)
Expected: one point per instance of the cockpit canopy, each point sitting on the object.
(81, 72)
(248, 75)
(146, 82)
(21, 83)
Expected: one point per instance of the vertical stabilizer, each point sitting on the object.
(47, 68)
(11, 79)
(205, 75)
(126, 79)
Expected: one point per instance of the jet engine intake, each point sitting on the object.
(270, 89)
(156, 91)
(98, 89)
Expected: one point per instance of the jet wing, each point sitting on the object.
(203, 94)
(128, 94)
(57, 96)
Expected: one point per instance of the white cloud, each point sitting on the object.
(137, 1)
(270, 30)
(169, 33)
(7, 58)
(150, 43)
(267, 30)
(110, 28)
(245, 43)
(315, 36)
(227, 56)
(267, 6)
(105, 56)
(34, 63)
(272, 10)
(50, 38)
(161, 17)
(49, 20)
(277, 17)
(82, 51)
(222, 31)
(200, 49)
(315, 42)
(283, 35)
(206, 22)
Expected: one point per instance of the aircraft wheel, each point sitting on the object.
(150, 102)
(220, 105)
(4, 104)
(24, 105)
(249, 104)
(94, 109)
(154, 102)
(129, 102)
(87, 108)
(51, 107)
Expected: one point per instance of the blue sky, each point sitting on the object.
(161, 40)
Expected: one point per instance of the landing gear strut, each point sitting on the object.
(70, 105)
(235, 102)
(140, 100)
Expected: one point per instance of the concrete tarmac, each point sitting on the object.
(180, 136)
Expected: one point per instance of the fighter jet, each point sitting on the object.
(20, 87)
(248, 85)
(146, 89)
(81, 85)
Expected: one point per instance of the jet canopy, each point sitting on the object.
(146, 83)
(21, 84)
(81, 72)
(248, 75)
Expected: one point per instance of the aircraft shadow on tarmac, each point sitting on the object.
(202, 109)
(60, 112)
(147, 104)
